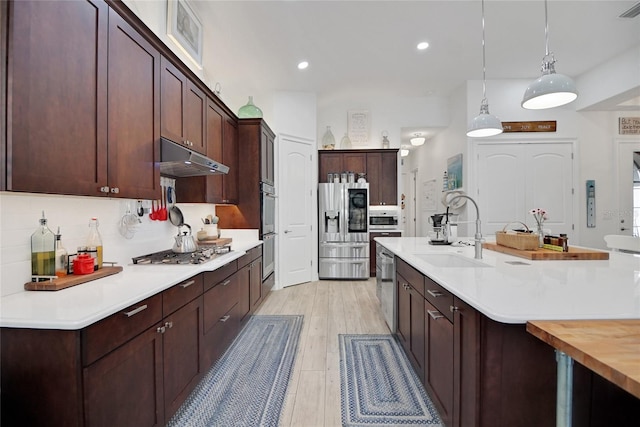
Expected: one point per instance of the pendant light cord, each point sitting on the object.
(484, 65)
(546, 30)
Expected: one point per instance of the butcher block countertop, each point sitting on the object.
(541, 254)
(610, 348)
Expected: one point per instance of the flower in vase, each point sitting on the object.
(540, 215)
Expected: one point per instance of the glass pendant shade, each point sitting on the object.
(417, 141)
(484, 124)
(249, 111)
(550, 90)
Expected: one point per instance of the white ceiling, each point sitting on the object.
(365, 46)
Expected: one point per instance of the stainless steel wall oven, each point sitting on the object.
(267, 228)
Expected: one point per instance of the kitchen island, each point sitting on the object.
(462, 323)
(126, 349)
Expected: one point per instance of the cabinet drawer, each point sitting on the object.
(219, 300)
(411, 275)
(439, 297)
(213, 278)
(180, 294)
(251, 255)
(110, 333)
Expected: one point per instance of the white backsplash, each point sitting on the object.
(20, 213)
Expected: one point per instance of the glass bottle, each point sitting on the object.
(249, 111)
(43, 250)
(95, 241)
(328, 140)
(345, 142)
(61, 256)
(540, 233)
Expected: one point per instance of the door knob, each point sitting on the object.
(287, 231)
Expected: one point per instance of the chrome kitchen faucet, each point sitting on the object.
(478, 235)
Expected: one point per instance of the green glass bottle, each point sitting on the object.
(249, 111)
(43, 250)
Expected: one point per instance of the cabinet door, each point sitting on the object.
(417, 332)
(57, 109)
(329, 162)
(388, 183)
(438, 365)
(466, 361)
(374, 177)
(354, 162)
(181, 344)
(404, 311)
(255, 287)
(126, 386)
(244, 283)
(194, 118)
(215, 183)
(230, 158)
(267, 173)
(172, 102)
(134, 113)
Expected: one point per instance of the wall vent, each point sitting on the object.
(633, 12)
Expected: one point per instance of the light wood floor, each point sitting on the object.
(329, 308)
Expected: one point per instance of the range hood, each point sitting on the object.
(178, 161)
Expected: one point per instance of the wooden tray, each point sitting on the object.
(542, 254)
(71, 280)
(221, 241)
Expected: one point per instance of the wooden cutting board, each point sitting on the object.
(542, 254)
(610, 348)
(71, 280)
(220, 241)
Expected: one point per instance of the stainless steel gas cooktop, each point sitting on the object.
(203, 254)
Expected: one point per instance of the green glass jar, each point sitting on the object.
(249, 111)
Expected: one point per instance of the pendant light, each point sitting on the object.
(484, 124)
(551, 89)
(417, 139)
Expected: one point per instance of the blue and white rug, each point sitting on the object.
(248, 385)
(378, 385)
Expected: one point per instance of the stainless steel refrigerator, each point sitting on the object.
(343, 231)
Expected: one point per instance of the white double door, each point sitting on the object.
(513, 178)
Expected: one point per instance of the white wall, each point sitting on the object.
(20, 213)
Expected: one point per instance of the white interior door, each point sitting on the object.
(295, 197)
(625, 187)
(514, 178)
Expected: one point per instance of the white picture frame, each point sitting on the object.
(185, 30)
(359, 126)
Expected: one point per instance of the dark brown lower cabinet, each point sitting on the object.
(124, 388)
(411, 323)
(438, 362)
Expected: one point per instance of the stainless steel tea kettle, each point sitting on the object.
(185, 241)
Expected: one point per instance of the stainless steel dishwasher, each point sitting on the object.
(385, 284)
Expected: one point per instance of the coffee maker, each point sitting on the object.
(439, 222)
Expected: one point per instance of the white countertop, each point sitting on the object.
(79, 306)
(531, 290)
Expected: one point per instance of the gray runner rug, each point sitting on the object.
(248, 385)
(379, 387)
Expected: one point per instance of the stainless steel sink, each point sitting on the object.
(451, 261)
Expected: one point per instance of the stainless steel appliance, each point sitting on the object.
(383, 217)
(203, 254)
(385, 285)
(179, 161)
(343, 231)
(267, 228)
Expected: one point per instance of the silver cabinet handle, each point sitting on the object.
(225, 318)
(135, 311)
(435, 293)
(104, 189)
(226, 282)
(189, 283)
(115, 190)
(161, 330)
(168, 325)
(287, 231)
(453, 308)
(435, 315)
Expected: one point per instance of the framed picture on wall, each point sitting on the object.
(185, 29)
(358, 126)
(454, 171)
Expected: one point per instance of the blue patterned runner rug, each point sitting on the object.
(248, 385)
(378, 385)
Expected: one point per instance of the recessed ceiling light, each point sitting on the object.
(302, 65)
(422, 45)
